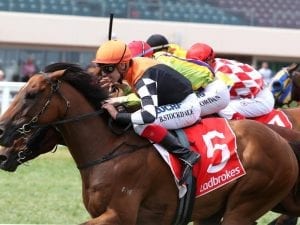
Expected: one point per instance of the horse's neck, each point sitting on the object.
(88, 138)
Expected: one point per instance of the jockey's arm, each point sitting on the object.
(147, 113)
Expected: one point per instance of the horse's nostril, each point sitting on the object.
(3, 158)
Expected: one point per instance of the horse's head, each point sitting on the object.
(283, 83)
(31, 106)
(43, 140)
(46, 100)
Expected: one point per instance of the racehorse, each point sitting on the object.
(125, 181)
(285, 85)
(26, 148)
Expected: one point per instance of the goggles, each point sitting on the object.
(108, 68)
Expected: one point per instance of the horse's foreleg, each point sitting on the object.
(110, 217)
(284, 220)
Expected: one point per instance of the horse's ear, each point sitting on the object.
(57, 74)
(291, 68)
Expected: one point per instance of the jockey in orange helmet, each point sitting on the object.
(249, 97)
(167, 98)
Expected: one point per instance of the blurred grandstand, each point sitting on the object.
(273, 14)
(71, 30)
(270, 13)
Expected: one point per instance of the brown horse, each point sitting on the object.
(120, 172)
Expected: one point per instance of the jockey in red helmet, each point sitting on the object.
(140, 49)
(163, 93)
(248, 94)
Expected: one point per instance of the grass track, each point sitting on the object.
(48, 191)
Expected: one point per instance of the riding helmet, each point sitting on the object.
(156, 40)
(113, 52)
(200, 51)
(140, 49)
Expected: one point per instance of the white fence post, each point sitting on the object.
(7, 92)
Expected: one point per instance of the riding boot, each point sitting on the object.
(172, 145)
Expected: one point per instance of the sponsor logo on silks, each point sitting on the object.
(220, 179)
(209, 100)
(169, 107)
(175, 115)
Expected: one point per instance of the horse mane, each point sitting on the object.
(83, 82)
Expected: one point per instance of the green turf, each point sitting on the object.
(48, 191)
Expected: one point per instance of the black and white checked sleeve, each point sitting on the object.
(147, 91)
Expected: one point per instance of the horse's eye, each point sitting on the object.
(30, 95)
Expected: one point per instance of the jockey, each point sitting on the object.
(167, 98)
(212, 93)
(140, 49)
(159, 43)
(249, 97)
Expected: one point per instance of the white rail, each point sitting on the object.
(7, 92)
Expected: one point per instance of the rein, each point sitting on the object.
(113, 154)
(73, 119)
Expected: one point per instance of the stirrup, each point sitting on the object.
(192, 159)
(186, 173)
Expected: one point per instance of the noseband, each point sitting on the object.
(26, 128)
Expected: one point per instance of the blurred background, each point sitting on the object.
(40, 32)
(35, 33)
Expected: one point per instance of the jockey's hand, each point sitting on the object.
(105, 83)
(110, 109)
(113, 101)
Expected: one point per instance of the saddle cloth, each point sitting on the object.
(219, 164)
(276, 117)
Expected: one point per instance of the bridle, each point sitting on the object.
(26, 128)
(281, 89)
(55, 85)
